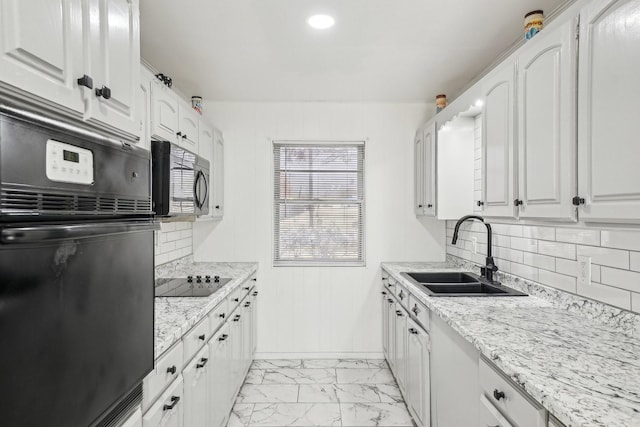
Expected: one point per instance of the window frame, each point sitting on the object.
(317, 263)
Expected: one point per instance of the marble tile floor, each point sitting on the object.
(322, 392)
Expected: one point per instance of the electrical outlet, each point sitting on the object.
(474, 242)
(584, 270)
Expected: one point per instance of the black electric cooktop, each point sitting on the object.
(191, 286)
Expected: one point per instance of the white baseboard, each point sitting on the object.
(319, 355)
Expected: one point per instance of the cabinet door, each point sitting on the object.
(430, 135)
(546, 125)
(385, 324)
(188, 127)
(164, 112)
(42, 49)
(490, 416)
(391, 333)
(247, 310)
(418, 379)
(608, 106)
(237, 354)
(418, 172)
(143, 105)
(167, 411)
(196, 397)
(217, 176)
(134, 420)
(498, 150)
(115, 62)
(254, 323)
(401, 347)
(220, 389)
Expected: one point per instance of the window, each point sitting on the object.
(318, 203)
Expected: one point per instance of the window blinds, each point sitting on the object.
(318, 203)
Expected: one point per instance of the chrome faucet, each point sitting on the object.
(490, 267)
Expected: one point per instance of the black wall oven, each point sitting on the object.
(76, 273)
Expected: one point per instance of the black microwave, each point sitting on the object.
(180, 181)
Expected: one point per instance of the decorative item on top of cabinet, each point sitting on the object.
(533, 23)
(45, 53)
(608, 148)
(498, 148)
(546, 132)
(425, 170)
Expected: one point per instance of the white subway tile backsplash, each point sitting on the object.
(499, 240)
(624, 279)
(557, 249)
(538, 232)
(621, 239)
(566, 266)
(525, 271)
(605, 256)
(635, 302)
(523, 244)
(508, 254)
(174, 241)
(634, 260)
(578, 235)
(607, 294)
(595, 273)
(508, 229)
(541, 261)
(559, 281)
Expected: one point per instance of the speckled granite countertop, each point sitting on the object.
(175, 316)
(582, 367)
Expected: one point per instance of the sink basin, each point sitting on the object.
(443, 277)
(458, 284)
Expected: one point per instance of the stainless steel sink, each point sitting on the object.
(458, 284)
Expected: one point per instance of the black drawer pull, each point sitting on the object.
(236, 299)
(85, 81)
(498, 394)
(383, 293)
(247, 304)
(202, 363)
(104, 92)
(413, 331)
(223, 337)
(201, 337)
(255, 293)
(236, 318)
(222, 315)
(171, 369)
(174, 402)
(415, 309)
(246, 288)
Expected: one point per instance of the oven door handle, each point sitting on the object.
(34, 234)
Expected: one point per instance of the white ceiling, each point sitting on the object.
(379, 50)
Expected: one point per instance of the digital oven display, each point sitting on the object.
(71, 156)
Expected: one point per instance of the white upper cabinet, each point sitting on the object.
(425, 170)
(42, 48)
(115, 62)
(217, 176)
(546, 125)
(609, 107)
(164, 112)
(188, 128)
(498, 148)
(63, 50)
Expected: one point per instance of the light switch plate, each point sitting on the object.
(584, 270)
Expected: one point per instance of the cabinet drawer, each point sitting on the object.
(234, 300)
(420, 312)
(402, 295)
(167, 411)
(218, 316)
(490, 416)
(391, 285)
(247, 286)
(196, 338)
(508, 399)
(167, 369)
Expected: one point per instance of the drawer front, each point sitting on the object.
(196, 338)
(508, 399)
(402, 295)
(490, 416)
(246, 286)
(391, 284)
(218, 316)
(420, 312)
(167, 411)
(234, 299)
(168, 368)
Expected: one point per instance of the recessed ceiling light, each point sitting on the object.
(321, 22)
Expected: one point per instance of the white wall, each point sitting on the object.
(311, 310)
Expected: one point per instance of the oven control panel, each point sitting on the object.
(68, 163)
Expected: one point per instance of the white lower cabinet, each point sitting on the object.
(196, 387)
(390, 313)
(247, 339)
(134, 420)
(220, 386)
(168, 410)
(237, 354)
(490, 416)
(418, 376)
(401, 347)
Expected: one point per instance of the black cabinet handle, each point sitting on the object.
(236, 318)
(389, 300)
(85, 81)
(247, 304)
(413, 331)
(171, 369)
(419, 206)
(202, 363)
(498, 394)
(174, 402)
(480, 203)
(236, 299)
(401, 295)
(255, 293)
(201, 337)
(178, 134)
(577, 201)
(255, 279)
(399, 313)
(383, 293)
(415, 309)
(184, 136)
(222, 315)
(390, 284)
(223, 337)
(104, 92)
(217, 206)
(429, 206)
(517, 202)
(246, 288)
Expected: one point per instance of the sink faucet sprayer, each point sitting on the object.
(490, 267)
